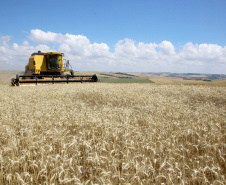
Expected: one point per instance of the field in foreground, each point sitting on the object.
(113, 134)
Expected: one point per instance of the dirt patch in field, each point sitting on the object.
(144, 75)
(150, 80)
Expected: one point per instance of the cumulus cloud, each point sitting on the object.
(128, 55)
(39, 36)
(15, 56)
(129, 47)
(146, 54)
(202, 52)
(5, 40)
(80, 45)
(166, 48)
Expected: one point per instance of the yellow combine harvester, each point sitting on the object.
(45, 68)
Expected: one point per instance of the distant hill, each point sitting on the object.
(193, 76)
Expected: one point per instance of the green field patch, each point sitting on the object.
(106, 74)
(126, 74)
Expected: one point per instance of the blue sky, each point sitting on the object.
(136, 36)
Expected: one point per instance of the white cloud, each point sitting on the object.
(16, 56)
(80, 45)
(39, 36)
(166, 48)
(26, 43)
(128, 54)
(15, 46)
(64, 48)
(3, 50)
(126, 48)
(203, 52)
(5, 40)
(145, 54)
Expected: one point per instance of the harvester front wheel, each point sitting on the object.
(13, 82)
(94, 78)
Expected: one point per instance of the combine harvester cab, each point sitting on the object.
(49, 68)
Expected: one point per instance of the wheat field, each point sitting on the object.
(113, 134)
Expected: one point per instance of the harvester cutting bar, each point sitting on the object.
(46, 79)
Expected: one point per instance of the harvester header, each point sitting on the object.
(50, 67)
